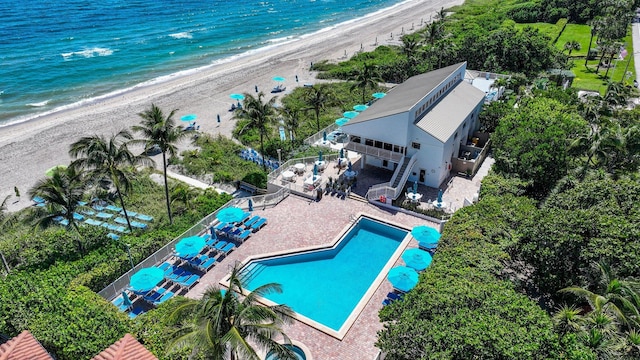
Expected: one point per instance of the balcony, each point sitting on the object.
(374, 151)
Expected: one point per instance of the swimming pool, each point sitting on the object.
(326, 285)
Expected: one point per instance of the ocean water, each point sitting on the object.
(61, 53)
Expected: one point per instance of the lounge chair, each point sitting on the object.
(104, 215)
(88, 212)
(219, 245)
(228, 248)
(258, 224)
(212, 241)
(120, 220)
(78, 217)
(189, 282)
(130, 213)
(113, 236)
(245, 217)
(97, 207)
(120, 229)
(93, 222)
(136, 311)
(144, 217)
(113, 208)
(251, 221)
(139, 225)
(38, 200)
(166, 296)
(244, 235)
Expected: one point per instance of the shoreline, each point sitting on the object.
(30, 147)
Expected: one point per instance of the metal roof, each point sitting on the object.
(446, 116)
(405, 96)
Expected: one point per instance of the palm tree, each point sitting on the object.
(162, 132)
(567, 319)
(411, 49)
(108, 159)
(433, 33)
(225, 324)
(572, 45)
(184, 194)
(595, 26)
(618, 298)
(317, 98)
(260, 115)
(62, 193)
(367, 76)
(291, 118)
(440, 14)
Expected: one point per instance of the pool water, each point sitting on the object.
(296, 350)
(326, 285)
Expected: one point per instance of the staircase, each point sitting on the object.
(400, 171)
(251, 272)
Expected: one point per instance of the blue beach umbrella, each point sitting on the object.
(237, 97)
(315, 170)
(319, 155)
(341, 152)
(425, 234)
(360, 107)
(250, 205)
(440, 195)
(278, 78)
(324, 136)
(350, 114)
(188, 118)
(230, 214)
(417, 259)
(349, 166)
(146, 279)
(342, 121)
(190, 246)
(403, 278)
(379, 95)
(415, 187)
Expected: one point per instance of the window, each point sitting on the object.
(464, 124)
(378, 144)
(385, 163)
(455, 136)
(368, 142)
(387, 146)
(396, 148)
(355, 139)
(415, 145)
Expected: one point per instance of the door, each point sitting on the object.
(422, 174)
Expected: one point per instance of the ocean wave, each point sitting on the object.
(88, 53)
(39, 104)
(182, 35)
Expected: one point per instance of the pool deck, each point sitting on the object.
(297, 223)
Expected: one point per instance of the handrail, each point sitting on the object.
(374, 151)
(115, 288)
(309, 160)
(395, 173)
(317, 136)
(405, 175)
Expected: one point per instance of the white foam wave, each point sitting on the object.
(39, 104)
(182, 35)
(88, 53)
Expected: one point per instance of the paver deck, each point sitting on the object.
(297, 223)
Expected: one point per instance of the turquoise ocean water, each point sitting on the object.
(59, 53)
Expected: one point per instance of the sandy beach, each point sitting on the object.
(28, 149)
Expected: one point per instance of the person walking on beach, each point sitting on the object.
(296, 78)
(256, 88)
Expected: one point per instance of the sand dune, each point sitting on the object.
(28, 149)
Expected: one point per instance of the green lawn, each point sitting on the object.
(580, 33)
(587, 79)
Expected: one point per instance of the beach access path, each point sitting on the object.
(27, 149)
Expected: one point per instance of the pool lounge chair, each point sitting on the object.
(139, 225)
(130, 213)
(104, 215)
(244, 235)
(251, 221)
(245, 217)
(136, 311)
(228, 248)
(189, 282)
(258, 224)
(113, 236)
(93, 222)
(78, 217)
(120, 220)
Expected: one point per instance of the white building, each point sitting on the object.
(417, 128)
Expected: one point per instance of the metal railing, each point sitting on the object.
(307, 161)
(268, 200)
(386, 189)
(374, 151)
(405, 175)
(396, 173)
(318, 136)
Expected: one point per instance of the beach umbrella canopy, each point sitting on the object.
(189, 117)
(315, 170)
(250, 205)
(349, 166)
(350, 114)
(415, 187)
(324, 136)
(190, 246)
(425, 234)
(341, 152)
(403, 278)
(417, 259)
(146, 279)
(360, 107)
(319, 155)
(52, 170)
(278, 78)
(440, 195)
(379, 95)
(230, 214)
(125, 300)
(237, 96)
(342, 121)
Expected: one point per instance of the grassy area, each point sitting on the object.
(551, 30)
(580, 33)
(587, 79)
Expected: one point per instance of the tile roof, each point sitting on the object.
(23, 347)
(127, 348)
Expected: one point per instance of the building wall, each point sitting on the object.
(391, 129)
